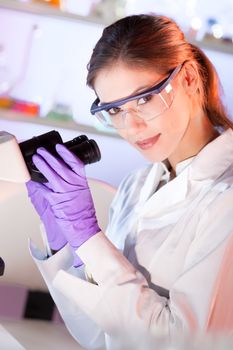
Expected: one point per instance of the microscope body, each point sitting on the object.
(13, 167)
(16, 158)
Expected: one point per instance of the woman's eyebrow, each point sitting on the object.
(141, 88)
(136, 91)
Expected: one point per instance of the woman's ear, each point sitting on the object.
(190, 78)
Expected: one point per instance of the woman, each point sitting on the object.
(156, 266)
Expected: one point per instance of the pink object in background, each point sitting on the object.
(12, 301)
(29, 108)
(220, 319)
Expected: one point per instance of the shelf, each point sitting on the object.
(213, 45)
(48, 10)
(71, 125)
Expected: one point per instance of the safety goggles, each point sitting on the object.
(147, 104)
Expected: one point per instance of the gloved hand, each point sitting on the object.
(68, 194)
(55, 237)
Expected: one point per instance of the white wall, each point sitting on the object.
(55, 67)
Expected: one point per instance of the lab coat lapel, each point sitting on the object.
(157, 172)
(165, 205)
(166, 197)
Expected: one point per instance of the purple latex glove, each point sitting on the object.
(55, 237)
(68, 193)
(36, 192)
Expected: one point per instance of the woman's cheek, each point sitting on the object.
(178, 119)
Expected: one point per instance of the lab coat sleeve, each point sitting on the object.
(123, 301)
(81, 327)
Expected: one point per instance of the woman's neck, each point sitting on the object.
(193, 141)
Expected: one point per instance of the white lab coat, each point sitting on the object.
(173, 234)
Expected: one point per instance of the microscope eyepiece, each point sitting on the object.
(85, 149)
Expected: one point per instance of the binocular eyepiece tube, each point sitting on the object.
(85, 149)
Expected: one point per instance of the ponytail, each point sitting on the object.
(212, 90)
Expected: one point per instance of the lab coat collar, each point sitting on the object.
(183, 164)
(212, 161)
(179, 167)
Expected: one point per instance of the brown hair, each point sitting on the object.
(144, 41)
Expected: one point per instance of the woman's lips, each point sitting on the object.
(148, 143)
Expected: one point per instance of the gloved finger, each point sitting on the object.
(55, 181)
(71, 159)
(58, 166)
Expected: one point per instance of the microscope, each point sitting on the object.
(16, 158)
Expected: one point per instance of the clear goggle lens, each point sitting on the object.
(147, 108)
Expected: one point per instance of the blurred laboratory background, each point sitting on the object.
(45, 47)
(44, 50)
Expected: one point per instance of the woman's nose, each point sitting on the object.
(132, 120)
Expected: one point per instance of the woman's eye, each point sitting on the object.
(144, 99)
(114, 111)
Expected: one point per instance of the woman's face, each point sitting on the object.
(155, 139)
